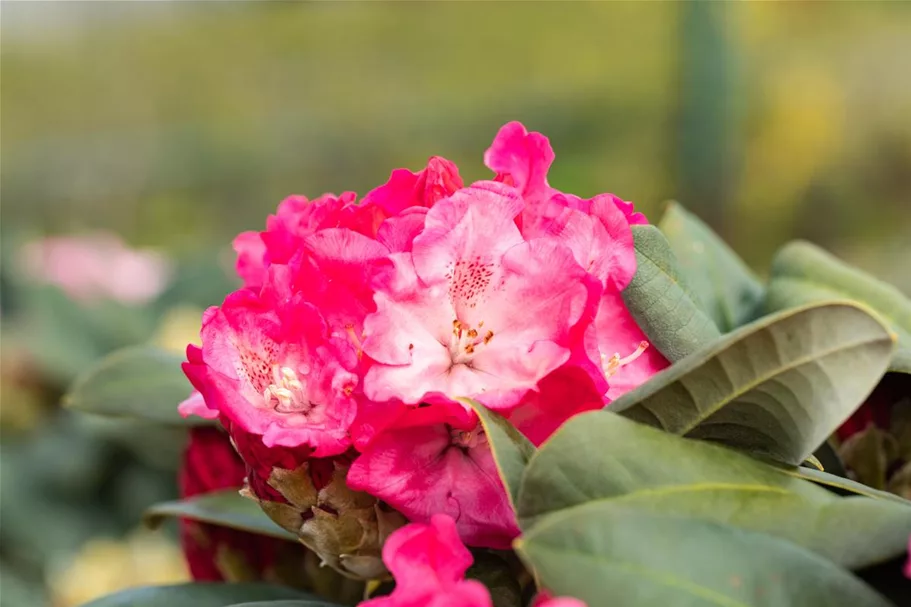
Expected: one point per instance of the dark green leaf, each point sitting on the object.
(729, 291)
(663, 304)
(139, 382)
(204, 595)
(777, 387)
(494, 572)
(511, 450)
(599, 457)
(606, 553)
(223, 508)
(802, 273)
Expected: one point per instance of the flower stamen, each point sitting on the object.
(612, 365)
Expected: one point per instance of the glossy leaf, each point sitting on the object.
(802, 273)
(640, 558)
(662, 303)
(224, 508)
(511, 450)
(727, 288)
(776, 388)
(205, 595)
(599, 457)
(138, 382)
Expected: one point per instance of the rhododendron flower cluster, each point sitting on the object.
(337, 367)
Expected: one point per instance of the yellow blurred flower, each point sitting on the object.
(179, 327)
(103, 566)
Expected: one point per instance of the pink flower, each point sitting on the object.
(908, 564)
(436, 459)
(522, 159)
(448, 318)
(543, 599)
(268, 366)
(96, 267)
(295, 219)
(599, 235)
(429, 564)
(423, 189)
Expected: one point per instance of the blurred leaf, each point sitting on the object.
(729, 291)
(224, 508)
(494, 572)
(138, 382)
(204, 595)
(599, 457)
(639, 558)
(828, 459)
(803, 273)
(868, 454)
(511, 450)
(663, 304)
(776, 387)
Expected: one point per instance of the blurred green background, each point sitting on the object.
(177, 125)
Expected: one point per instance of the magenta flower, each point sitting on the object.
(599, 235)
(271, 368)
(436, 459)
(429, 564)
(447, 316)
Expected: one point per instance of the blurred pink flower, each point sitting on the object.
(95, 267)
(429, 563)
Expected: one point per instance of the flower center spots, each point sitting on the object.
(610, 366)
(286, 393)
(465, 341)
(469, 279)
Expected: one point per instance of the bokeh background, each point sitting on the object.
(173, 126)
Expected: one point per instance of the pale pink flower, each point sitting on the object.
(429, 563)
(436, 459)
(96, 267)
(475, 310)
(268, 365)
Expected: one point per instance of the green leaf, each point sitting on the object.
(727, 288)
(662, 303)
(204, 595)
(602, 458)
(511, 450)
(802, 273)
(777, 387)
(224, 508)
(138, 382)
(609, 554)
(843, 486)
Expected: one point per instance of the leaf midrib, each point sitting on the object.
(797, 362)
